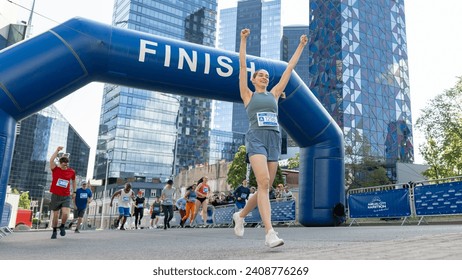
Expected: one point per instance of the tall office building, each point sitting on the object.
(290, 41)
(263, 18)
(359, 72)
(12, 30)
(37, 139)
(146, 135)
(222, 110)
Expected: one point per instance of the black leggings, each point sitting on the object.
(168, 213)
(138, 213)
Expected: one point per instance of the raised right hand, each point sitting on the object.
(245, 33)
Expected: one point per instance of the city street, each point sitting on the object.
(388, 242)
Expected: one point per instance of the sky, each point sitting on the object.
(433, 35)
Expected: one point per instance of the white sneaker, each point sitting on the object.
(238, 224)
(155, 226)
(272, 240)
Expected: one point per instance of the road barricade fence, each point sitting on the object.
(5, 221)
(282, 211)
(401, 201)
(222, 215)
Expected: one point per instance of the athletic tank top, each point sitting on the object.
(262, 111)
(125, 199)
(192, 195)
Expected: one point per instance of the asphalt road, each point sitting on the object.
(408, 242)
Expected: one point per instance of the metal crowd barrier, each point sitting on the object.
(6, 216)
(222, 215)
(282, 211)
(439, 197)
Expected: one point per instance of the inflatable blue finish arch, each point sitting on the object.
(44, 69)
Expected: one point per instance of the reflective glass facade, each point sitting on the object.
(222, 111)
(290, 41)
(224, 145)
(11, 34)
(37, 138)
(150, 135)
(359, 72)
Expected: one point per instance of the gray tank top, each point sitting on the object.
(262, 111)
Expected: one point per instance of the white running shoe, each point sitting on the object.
(238, 224)
(272, 240)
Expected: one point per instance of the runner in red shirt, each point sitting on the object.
(60, 190)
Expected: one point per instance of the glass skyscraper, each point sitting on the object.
(37, 138)
(149, 135)
(359, 72)
(290, 41)
(222, 110)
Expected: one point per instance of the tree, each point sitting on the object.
(361, 168)
(238, 169)
(24, 200)
(441, 123)
(294, 162)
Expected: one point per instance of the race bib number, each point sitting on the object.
(168, 201)
(267, 119)
(206, 190)
(140, 205)
(125, 199)
(243, 195)
(62, 183)
(83, 195)
(156, 209)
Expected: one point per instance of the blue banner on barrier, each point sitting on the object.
(282, 211)
(253, 216)
(390, 203)
(438, 199)
(6, 215)
(224, 214)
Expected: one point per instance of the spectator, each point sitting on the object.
(272, 193)
(252, 192)
(241, 194)
(286, 194)
(279, 191)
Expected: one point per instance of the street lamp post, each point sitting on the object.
(104, 191)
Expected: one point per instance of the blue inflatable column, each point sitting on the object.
(7, 138)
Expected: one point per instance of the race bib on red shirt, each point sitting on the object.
(62, 183)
